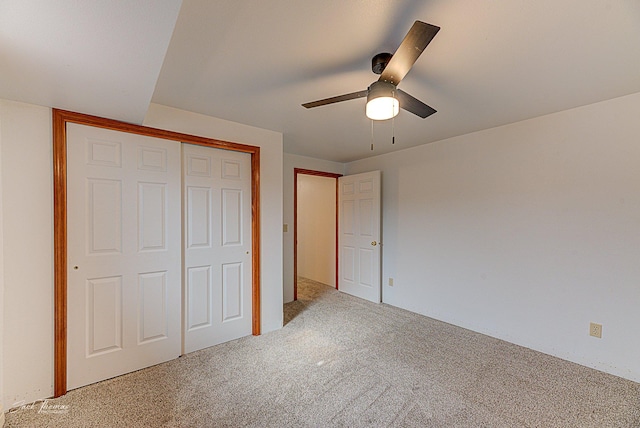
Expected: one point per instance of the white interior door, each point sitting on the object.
(359, 235)
(217, 246)
(124, 253)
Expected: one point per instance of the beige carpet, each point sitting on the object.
(343, 362)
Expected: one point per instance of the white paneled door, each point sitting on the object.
(217, 246)
(359, 235)
(124, 253)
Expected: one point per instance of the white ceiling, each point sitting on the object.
(493, 62)
(94, 57)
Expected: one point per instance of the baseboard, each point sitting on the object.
(273, 326)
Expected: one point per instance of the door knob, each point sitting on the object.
(374, 243)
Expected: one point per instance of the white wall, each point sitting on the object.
(290, 163)
(1, 285)
(270, 144)
(27, 246)
(525, 232)
(317, 228)
(26, 280)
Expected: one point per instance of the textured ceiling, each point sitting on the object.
(493, 62)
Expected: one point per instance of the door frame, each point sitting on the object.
(60, 118)
(297, 171)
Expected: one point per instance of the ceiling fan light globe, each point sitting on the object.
(382, 108)
(381, 101)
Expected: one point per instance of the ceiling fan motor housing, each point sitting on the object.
(380, 61)
(381, 89)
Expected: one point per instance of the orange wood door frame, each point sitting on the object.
(60, 120)
(297, 171)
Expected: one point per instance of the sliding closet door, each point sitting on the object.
(124, 253)
(217, 246)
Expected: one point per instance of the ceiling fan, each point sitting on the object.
(384, 99)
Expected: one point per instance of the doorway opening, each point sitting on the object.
(314, 201)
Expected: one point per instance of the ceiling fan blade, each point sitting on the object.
(416, 40)
(413, 105)
(337, 99)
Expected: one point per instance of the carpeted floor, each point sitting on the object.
(342, 362)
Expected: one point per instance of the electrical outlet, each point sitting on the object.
(390, 282)
(595, 330)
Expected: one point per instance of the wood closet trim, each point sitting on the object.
(297, 171)
(60, 120)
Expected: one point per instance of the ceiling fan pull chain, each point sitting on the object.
(393, 130)
(371, 134)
